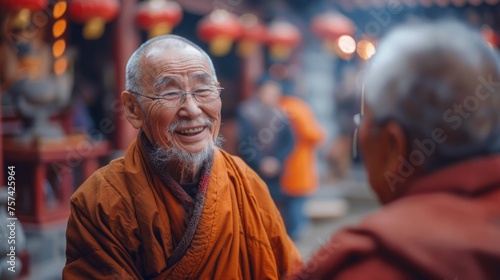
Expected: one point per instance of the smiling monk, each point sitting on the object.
(175, 206)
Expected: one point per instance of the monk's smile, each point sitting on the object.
(192, 134)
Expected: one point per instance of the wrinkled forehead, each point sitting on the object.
(170, 59)
(162, 48)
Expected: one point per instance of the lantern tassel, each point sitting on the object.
(160, 29)
(280, 52)
(220, 45)
(247, 47)
(93, 29)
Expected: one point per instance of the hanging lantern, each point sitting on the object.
(491, 2)
(254, 33)
(459, 3)
(475, 2)
(427, 3)
(16, 5)
(23, 10)
(330, 26)
(94, 14)
(490, 36)
(158, 17)
(282, 37)
(220, 29)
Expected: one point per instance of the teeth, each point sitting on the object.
(192, 130)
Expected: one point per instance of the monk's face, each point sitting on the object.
(192, 127)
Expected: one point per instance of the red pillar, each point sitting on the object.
(1, 147)
(252, 66)
(126, 41)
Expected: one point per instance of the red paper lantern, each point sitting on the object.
(475, 2)
(254, 33)
(22, 10)
(94, 14)
(158, 17)
(220, 28)
(490, 36)
(459, 3)
(330, 26)
(282, 37)
(16, 5)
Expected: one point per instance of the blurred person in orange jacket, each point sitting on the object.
(265, 135)
(300, 172)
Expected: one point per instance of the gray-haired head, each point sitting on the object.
(133, 75)
(438, 76)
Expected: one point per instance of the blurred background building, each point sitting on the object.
(62, 69)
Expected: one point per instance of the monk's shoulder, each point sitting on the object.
(252, 187)
(238, 168)
(418, 209)
(105, 189)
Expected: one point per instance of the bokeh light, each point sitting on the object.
(59, 9)
(347, 44)
(59, 28)
(58, 48)
(366, 49)
(60, 65)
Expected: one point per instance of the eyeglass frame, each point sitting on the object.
(183, 95)
(358, 119)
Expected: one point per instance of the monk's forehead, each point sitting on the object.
(167, 52)
(172, 58)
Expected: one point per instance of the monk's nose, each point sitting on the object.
(190, 108)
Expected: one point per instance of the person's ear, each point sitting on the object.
(398, 143)
(396, 151)
(133, 111)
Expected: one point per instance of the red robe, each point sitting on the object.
(445, 226)
(125, 224)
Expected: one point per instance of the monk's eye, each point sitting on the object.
(171, 95)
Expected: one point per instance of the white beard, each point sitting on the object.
(160, 156)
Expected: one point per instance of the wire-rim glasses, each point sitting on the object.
(175, 98)
(358, 119)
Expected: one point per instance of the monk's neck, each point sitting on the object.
(183, 173)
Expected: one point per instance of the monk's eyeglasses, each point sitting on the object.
(175, 98)
(358, 119)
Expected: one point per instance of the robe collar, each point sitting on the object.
(470, 178)
(197, 204)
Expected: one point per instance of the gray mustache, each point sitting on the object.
(204, 121)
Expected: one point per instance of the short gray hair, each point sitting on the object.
(423, 73)
(133, 75)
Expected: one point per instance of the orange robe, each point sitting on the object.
(445, 226)
(300, 175)
(125, 224)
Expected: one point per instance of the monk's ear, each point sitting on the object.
(396, 148)
(133, 111)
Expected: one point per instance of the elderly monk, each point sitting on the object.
(431, 143)
(175, 206)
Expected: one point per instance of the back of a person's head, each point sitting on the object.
(438, 76)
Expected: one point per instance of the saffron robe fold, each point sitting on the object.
(444, 226)
(125, 224)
